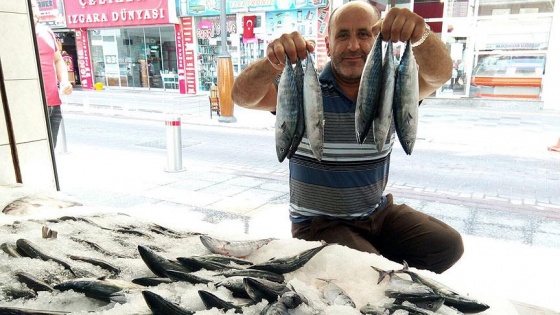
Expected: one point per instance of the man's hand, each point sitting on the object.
(66, 88)
(400, 24)
(293, 45)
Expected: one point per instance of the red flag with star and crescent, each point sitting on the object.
(249, 26)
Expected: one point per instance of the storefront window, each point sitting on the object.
(500, 7)
(135, 57)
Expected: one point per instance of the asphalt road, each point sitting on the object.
(494, 163)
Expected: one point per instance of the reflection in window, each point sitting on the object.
(501, 7)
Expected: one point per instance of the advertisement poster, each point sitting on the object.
(302, 21)
(84, 64)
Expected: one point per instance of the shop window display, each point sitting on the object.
(133, 57)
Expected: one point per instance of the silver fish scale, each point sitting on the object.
(286, 111)
(369, 91)
(384, 113)
(313, 109)
(300, 121)
(405, 100)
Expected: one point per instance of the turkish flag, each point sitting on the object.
(249, 26)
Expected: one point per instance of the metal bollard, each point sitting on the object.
(174, 145)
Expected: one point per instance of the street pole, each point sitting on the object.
(225, 72)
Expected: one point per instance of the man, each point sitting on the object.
(340, 199)
(54, 71)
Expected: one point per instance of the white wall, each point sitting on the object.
(24, 98)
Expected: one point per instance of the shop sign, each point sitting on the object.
(205, 7)
(116, 13)
(515, 46)
(52, 13)
(84, 63)
(211, 27)
(187, 27)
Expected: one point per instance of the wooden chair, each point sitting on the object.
(214, 100)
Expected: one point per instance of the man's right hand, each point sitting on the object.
(293, 45)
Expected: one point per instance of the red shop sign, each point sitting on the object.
(115, 13)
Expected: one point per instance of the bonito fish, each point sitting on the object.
(233, 248)
(288, 264)
(451, 298)
(313, 109)
(161, 306)
(405, 100)
(300, 121)
(369, 91)
(31, 250)
(384, 113)
(335, 295)
(286, 111)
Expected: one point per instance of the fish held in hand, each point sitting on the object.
(384, 113)
(406, 99)
(369, 91)
(313, 109)
(286, 111)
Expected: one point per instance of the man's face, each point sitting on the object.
(350, 40)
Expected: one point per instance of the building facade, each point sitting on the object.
(500, 49)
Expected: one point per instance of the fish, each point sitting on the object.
(384, 114)
(275, 308)
(196, 263)
(253, 273)
(151, 281)
(161, 306)
(335, 295)
(288, 264)
(210, 300)
(300, 121)
(292, 299)
(313, 109)
(369, 309)
(287, 109)
(14, 293)
(431, 302)
(224, 259)
(31, 250)
(453, 299)
(186, 277)
(99, 248)
(235, 285)
(24, 204)
(73, 218)
(406, 99)
(101, 289)
(98, 262)
(32, 282)
(11, 250)
(410, 309)
(7, 310)
(237, 249)
(369, 91)
(259, 289)
(158, 264)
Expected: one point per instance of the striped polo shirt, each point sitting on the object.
(349, 181)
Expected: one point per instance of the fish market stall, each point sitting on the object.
(60, 257)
